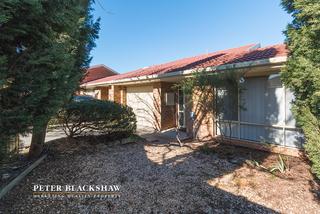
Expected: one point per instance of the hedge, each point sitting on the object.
(97, 117)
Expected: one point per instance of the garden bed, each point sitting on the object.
(10, 170)
(158, 177)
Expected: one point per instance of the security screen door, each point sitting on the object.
(181, 109)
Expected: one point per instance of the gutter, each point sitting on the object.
(274, 60)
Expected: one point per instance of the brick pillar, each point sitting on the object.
(111, 93)
(203, 126)
(117, 96)
(123, 95)
(114, 94)
(157, 105)
(103, 93)
(189, 120)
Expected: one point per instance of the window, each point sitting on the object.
(228, 104)
(274, 81)
(265, 116)
(169, 99)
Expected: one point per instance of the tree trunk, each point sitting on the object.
(37, 141)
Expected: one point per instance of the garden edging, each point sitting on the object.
(19, 178)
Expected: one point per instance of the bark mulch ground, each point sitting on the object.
(156, 177)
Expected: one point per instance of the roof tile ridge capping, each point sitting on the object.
(243, 49)
(271, 51)
(141, 71)
(254, 47)
(248, 47)
(267, 52)
(281, 47)
(235, 53)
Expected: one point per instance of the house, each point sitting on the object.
(267, 117)
(94, 73)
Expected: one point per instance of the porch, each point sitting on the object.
(266, 118)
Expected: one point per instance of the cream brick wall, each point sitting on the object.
(202, 127)
(203, 124)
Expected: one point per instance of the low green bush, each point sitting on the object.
(97, 117)
(310, 125)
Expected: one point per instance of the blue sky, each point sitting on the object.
(139, 33)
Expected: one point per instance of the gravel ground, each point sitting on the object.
(159, 178)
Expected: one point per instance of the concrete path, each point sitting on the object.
(167, 136)
(52, 134)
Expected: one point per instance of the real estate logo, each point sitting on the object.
(76, 191)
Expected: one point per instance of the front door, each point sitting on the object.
(181, 110)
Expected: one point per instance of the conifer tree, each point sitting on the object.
(45, 47)
(302, 72)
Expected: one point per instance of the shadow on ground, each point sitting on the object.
(154, 177)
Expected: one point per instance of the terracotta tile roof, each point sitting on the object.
(229, 56)
(97, 72)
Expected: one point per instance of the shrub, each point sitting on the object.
(97, 117)
(282, 165)
(311, 129)
(302, 72)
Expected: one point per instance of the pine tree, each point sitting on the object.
(45, 47)
(302, 72)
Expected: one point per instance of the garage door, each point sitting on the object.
(140, 99)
